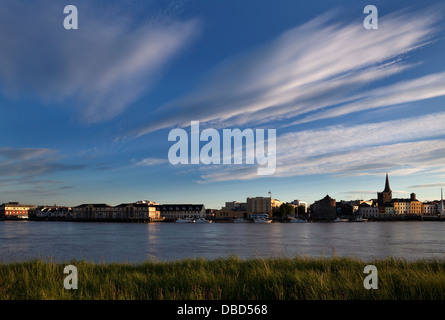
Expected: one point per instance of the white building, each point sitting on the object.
(300, 203)
(431, 208)
(367, 211)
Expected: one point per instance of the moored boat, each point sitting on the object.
(185, 220)
(240, 220)
(358, 219)
(296, 220)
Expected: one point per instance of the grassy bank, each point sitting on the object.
(230, 279)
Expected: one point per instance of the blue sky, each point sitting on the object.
(86, 113)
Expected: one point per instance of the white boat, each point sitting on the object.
(358, 219)
(341, 220)
(185, 220)
(259, 215)
(202, 220)
(296, 220)
(240, 220)
(262, 220)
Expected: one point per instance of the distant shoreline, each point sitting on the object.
(274, 220)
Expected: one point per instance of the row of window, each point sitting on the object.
(183, 209)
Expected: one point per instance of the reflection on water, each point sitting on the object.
(115, 242)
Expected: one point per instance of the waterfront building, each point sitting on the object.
(431, 208)
(348, 209)
(145, 211)
(398, 207)
(15, 210)
(389, 210)
(119, 212)
(235, 205)
(231, 213)
(253, 205)
(92, 211)
(232, 210)
(53, 212)
(368, 211)
(259, 204)
(324, 209)
(263, 205)
(382, 210)
(401, 206)
(410, 206)
(441, 205)
(176, 211)
(416, 207)
(141, 210)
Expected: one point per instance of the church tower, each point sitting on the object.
(386, 195)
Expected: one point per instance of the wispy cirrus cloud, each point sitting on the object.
(422, 88)
(149, 162)
(400, 159)
(99, 69)
(428, 185)
(322, 70)
(23, 172)
(369, 192)
(405, 146)
(316, 66)
(27, 164)
(409, 146)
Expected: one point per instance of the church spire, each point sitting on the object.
(387, 188)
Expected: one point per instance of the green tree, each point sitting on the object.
(300, 211)
(287, 210)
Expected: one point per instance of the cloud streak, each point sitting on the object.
(30, 163)
(408, 146)
(428, 185)
(150, 162)
(320, 70)
(316, 66)
(99, 69)
(423, 88)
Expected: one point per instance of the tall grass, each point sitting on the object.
(229, 279)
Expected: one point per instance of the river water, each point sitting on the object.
(135, 243)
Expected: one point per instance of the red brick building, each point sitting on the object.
(15, 210)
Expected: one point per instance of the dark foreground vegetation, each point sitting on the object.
(228, 279)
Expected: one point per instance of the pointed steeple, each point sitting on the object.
(387, 188)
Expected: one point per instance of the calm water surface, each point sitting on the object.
(121, 242)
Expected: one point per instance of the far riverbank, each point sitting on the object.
(228, 220)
